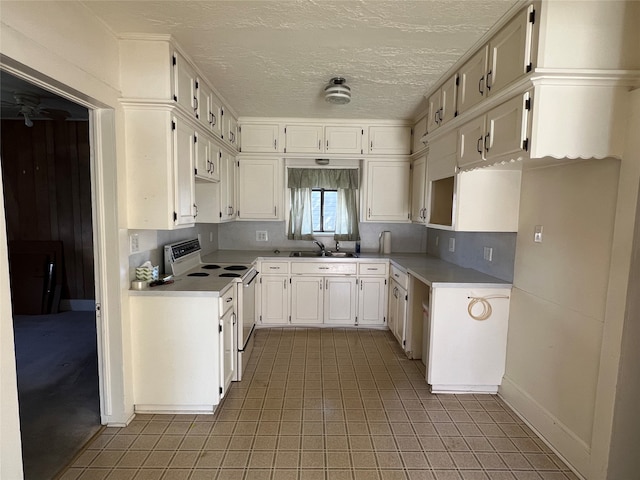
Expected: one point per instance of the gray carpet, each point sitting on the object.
(58, 391)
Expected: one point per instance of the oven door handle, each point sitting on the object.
(253, 327)
(247, 283)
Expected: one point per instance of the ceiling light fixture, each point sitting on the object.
(337, 92)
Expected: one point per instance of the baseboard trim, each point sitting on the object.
(77, 305)
(176, 409)
(558, 437)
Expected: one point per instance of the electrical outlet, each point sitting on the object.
(211, 236)
(437, 240)
(261, 236)
(134, 243)
(537, 234)
(488, 254)
(452, 244)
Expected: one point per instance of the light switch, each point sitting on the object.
(452, 244)
(488, 254)
(134, 243)
(537, 234)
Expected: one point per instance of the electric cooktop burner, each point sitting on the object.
(211, 267)
(231, 275)
(198, 274)
(236, 267)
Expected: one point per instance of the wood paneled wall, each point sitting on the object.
(47, 186)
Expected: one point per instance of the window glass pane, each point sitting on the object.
(315, 209)
(330, 205)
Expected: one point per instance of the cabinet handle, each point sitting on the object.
(320, 283)
(481, 85)
(440, 112)
(479, 146)
(229, 299)
(371, 144)
(360, 286)
(275, 144)
(369, 213)
(275, 211)
(326, 284)
(489, 79)
(195, 106)
(487, 138)
(213, 120)
(323, 268)
(196, 207)
(284, 282)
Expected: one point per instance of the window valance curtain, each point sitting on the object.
(302, 180)
(328, 178)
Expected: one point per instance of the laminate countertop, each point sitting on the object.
(428, 269)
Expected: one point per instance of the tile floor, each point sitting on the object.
(327, 404)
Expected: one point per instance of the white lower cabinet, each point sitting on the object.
(307, 300)
(274, 299)
(176, 353)
(340, 300)
(398, 307)
(227, 308)
(372, 301)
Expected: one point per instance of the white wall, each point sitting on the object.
(569, 299)
(60, 44)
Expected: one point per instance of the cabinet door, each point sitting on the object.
(472, 86)
(506, 129)
(184, 83)
(418, 190)
(401, 316)
(387, 192)
(202, 162)
(259, 190)
(343, 139)
(183, 167)
(215, 115)
(231, 134)
(390, 140)
(303, 139)
(274, 299)
(228, 188)
(448, 100)
(471, 142)
(259, 138)
(372, 303)
(227, 350)
(434, 102)
(393, 307)
(307, 299)
(215, 155)
(419, 131)
(510, 52)
(340, 303)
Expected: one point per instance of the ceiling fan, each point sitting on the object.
(28, 105)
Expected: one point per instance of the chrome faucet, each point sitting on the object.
(321, 245)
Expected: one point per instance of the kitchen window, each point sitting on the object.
(323, 210)
(323, 201)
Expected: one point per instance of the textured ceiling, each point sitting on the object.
(273, 58)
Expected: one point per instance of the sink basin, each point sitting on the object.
(342, 254)
(323, 254)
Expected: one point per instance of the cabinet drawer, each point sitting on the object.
(399, 276)
(372, 269)
(271, 268)
(320, 268)
(226, 300)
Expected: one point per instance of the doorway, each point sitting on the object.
(48, 208)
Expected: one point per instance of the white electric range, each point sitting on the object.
(184, 260)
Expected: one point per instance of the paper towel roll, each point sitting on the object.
(385, 242)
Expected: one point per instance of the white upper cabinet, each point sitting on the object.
(442, 105)
(184, 83)
(210, 108)
(471, 81)
(419, 131)
(160, 151)
(259, 137)
(230, 126)
(260, 189)
(500, 134)
(303, 139)
(387, 187)
(510, 52)
(207, 160)
(344, 139)
(390, 140)
(419, 190)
